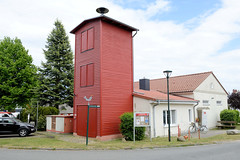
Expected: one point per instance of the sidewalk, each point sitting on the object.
(210, 133)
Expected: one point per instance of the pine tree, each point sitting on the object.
(17, 74)
(56, 74)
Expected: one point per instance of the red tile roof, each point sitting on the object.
(178, 84)
(156, 95)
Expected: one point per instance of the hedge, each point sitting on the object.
(229, 115)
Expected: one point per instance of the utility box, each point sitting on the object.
(104, 70)
(59, 123)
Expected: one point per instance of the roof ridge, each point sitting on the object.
(184, 75)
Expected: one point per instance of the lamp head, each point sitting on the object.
(167, 73)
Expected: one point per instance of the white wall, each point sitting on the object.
(182, 116)
(212, 91)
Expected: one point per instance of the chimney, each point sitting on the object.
(144, 84)
(234, 91)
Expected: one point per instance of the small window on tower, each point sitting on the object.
(87, 75)
(87, 40)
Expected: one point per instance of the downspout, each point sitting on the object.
(133, 58)
(194, 112)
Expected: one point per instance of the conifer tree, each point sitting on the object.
(56, 74)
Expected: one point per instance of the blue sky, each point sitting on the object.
(185, 36)
(180, 11)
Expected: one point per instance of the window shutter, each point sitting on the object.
(83, 73)
(90, 74)
(84, 41)
(90, 38)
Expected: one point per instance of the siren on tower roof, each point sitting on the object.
(102, 10)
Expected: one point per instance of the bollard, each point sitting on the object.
(189, 134)
(199, 133)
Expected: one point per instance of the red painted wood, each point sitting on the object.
(116, 76)
(84, 41)
(90, 38)
(87, 57)
(82, 121)
(83, 76)
(111, 63)
(90, 74)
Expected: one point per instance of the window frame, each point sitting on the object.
(87, 41)
(165, 124)
(205, 104)
(219, 104)
(86, 76)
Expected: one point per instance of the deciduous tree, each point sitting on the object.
(234, 100)
(17, 74)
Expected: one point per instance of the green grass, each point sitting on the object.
(58, 141)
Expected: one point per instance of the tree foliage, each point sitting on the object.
(18, 74)
(56, 74)
(126, 128)
(229, 115)
(234, 100)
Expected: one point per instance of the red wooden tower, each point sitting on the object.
(104, 70)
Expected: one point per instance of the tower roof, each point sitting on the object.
(108, 20)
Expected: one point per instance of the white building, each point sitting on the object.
(201, 93)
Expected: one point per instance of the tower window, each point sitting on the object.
(87, 40)
(87, 75)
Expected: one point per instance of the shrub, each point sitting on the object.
(229, 115)
(126, 128)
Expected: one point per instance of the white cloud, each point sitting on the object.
(159, 45)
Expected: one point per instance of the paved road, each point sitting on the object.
(224, 151)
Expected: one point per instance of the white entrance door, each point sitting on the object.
(204, 117)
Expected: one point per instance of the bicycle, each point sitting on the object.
(193, 128)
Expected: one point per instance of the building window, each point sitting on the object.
(211, 85)
(173, 117)
(219, 103)
(87, 40)
(190, 115)
(205, 102)
(87, 75)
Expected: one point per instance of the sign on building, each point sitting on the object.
(142, 119)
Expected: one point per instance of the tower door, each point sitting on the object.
(82, 121)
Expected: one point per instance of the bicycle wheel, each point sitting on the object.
(192, 129)
(203, 129)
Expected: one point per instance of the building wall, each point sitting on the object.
(116, 76)
(211, 90)
(84, 58)
(182, 116)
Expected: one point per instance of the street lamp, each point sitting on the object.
(167, 73)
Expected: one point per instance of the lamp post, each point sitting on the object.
(167, 73)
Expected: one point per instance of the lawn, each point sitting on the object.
(43, 140)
